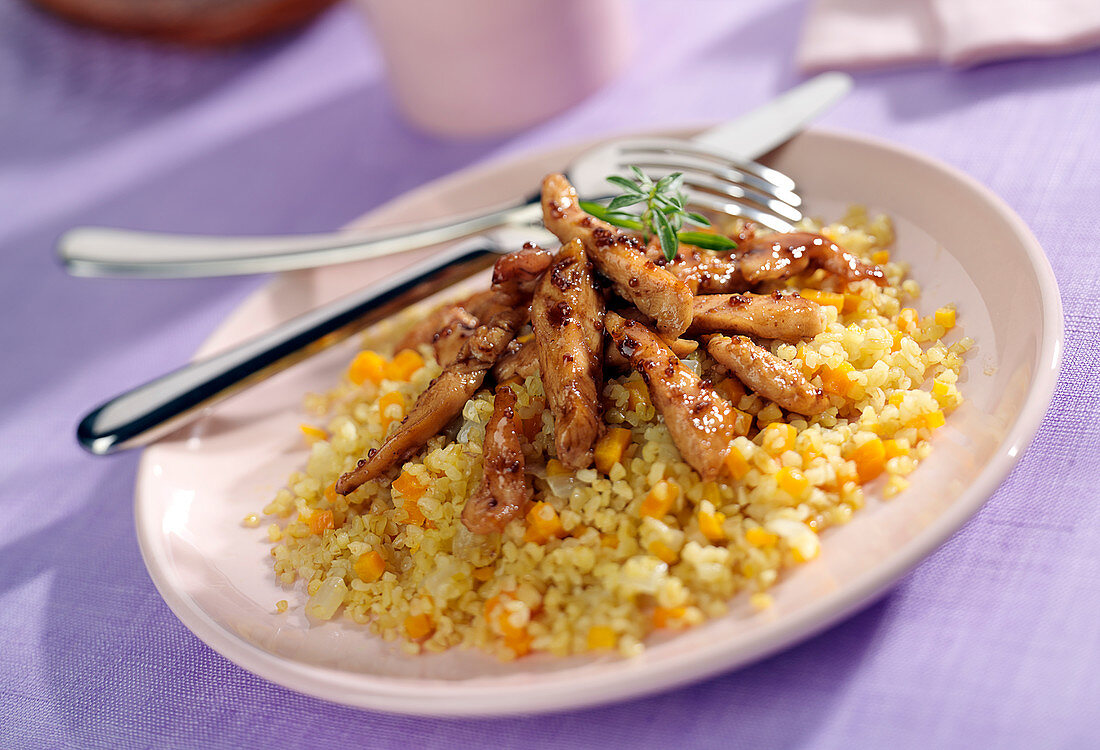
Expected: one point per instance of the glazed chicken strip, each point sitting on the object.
(444, 317)
(519, 362)
(699, 420)
(787, 317)
(705, 272)
(777, 256)
(441, 401)
(516, 275)
(567, 317)
(619, 257)
(447, 341)
(504, 492)
(446, 327)
(768, 375)
(680, 347)
(767, 257)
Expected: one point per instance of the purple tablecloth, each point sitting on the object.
(993, 642)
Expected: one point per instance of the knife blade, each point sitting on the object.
(754, 134)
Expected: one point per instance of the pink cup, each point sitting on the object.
(467, 68)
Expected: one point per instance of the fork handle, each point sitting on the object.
(99, 251)
(149, 411)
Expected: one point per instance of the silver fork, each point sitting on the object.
(719, 176)
(713, 181)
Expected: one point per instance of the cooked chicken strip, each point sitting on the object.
(504, 492)
(704, 271)
(447, 326)
(425, 331)
(787, 317)
(519, 362)
(516, 275)
(567, 317)
(458, 326)
(767, 374)
(442, 400)
(619, 257)
(777, 256)
(680, 347)
(699, 420)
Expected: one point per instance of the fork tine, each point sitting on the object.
(712, 174)
(709, 154)
(713, 203)
(740, 194)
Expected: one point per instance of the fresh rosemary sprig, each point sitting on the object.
(663, 212)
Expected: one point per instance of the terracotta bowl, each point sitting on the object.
(192, 22)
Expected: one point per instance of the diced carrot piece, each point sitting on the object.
(639, 394)
(740, 422)
(710, 524)
(610, 448)
(404, 364)
(320, 521)
(736, 464)
(556, 468)
(601, 638)
(830, 299)
(851, 302)
(907, 319)
(869, 458)
(542, 523)
(409, 486)
(366, 366)
(312, 434)
(419, 627)
(792, 481)
(880, 257)
(519, 644)
(385, 413)
(760, 537)
(893, 448)
(663, 552)
(731, 389)
(934, 420)
(664, 617)
(898, 336)
(779, 437)
(836, 379)
(411, 490)
(659, 500)
(330, 492)
(498, 615)
(370, 566)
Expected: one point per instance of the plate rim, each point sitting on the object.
(434, 697)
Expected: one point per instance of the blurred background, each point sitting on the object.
(282, 116)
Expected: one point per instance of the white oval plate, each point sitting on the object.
(965, 246)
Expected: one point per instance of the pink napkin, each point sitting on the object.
(882, 33)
